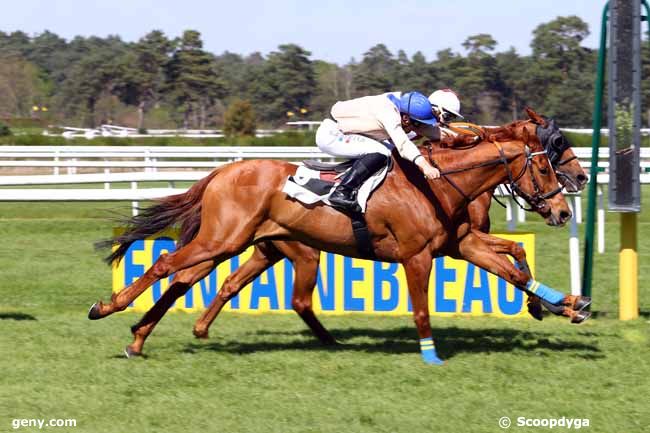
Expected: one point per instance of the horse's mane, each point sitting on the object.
(492, 133)
(502, 133)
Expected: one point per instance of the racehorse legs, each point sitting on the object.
(181, 283)
(264, 256)
(473, 249)
(504, 246)
(305, 260)
(203, 247)
(418, 270)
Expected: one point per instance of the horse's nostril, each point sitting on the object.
(582, 179)
(565, 215)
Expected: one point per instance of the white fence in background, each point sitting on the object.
(135, 165)
(122, 131)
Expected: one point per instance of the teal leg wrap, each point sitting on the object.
(428, 351)
(545, 292)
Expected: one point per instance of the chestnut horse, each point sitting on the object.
(411, 220)
(305, 259)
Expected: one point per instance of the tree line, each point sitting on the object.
(160, 81)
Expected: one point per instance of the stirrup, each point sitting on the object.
(345, 202)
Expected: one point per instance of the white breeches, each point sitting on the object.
(331, 140)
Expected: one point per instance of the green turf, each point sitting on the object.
(267, 374)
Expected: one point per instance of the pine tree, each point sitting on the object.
(192, 84)
(239, 119)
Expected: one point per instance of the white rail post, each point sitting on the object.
(147, 160)
(601, 222)
(107, 171)
(521, 215)
(56, 159)
(510, 215)
(578, 208)
(574, 251)
(134, 204)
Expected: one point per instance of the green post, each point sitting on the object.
(595, 146)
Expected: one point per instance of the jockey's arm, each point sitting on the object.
(392, 124)
(405, 147)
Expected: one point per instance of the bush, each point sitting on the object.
(4, 130)
(582, 140)
(239, 119)
(23, 122)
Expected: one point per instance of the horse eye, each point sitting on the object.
(543, 170)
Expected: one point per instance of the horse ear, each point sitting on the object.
(526, 136)
(536, 118)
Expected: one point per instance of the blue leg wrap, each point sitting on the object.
(428, 351)
(545, 292)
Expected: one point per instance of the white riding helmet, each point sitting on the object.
(446, 99)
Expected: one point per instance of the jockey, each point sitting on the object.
(446, 105)
(357, 130)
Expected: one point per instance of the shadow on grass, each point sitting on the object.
(614, 314)
(453, 340)
(16, 316)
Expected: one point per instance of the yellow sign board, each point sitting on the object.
(345, 285)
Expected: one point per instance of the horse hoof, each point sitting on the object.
(558, 310)
(430, 357)
(436, 361)
(535, 310)
(201, 334)
(581, 303)
(93, 313)
(130, 353)
(580, 317)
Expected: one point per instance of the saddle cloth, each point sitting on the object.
(311, 186)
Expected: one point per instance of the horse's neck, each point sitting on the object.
(473, 181)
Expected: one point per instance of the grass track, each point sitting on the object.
(266, 373)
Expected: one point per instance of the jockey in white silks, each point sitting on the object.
(358, 129)
(446, 105)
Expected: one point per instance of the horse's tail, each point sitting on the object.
(183, 209)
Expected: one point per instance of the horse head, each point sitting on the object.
(532, 177)
(565, 163)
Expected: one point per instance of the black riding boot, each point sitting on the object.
(344, 197)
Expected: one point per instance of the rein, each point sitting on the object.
(566, 161)
(466, 128)
(537, 200)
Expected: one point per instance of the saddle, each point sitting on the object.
(331, 171)
(324, 176)
(335, 167)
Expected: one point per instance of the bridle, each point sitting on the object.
(537, 200)
(551, 137)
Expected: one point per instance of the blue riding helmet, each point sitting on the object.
(418, 107)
